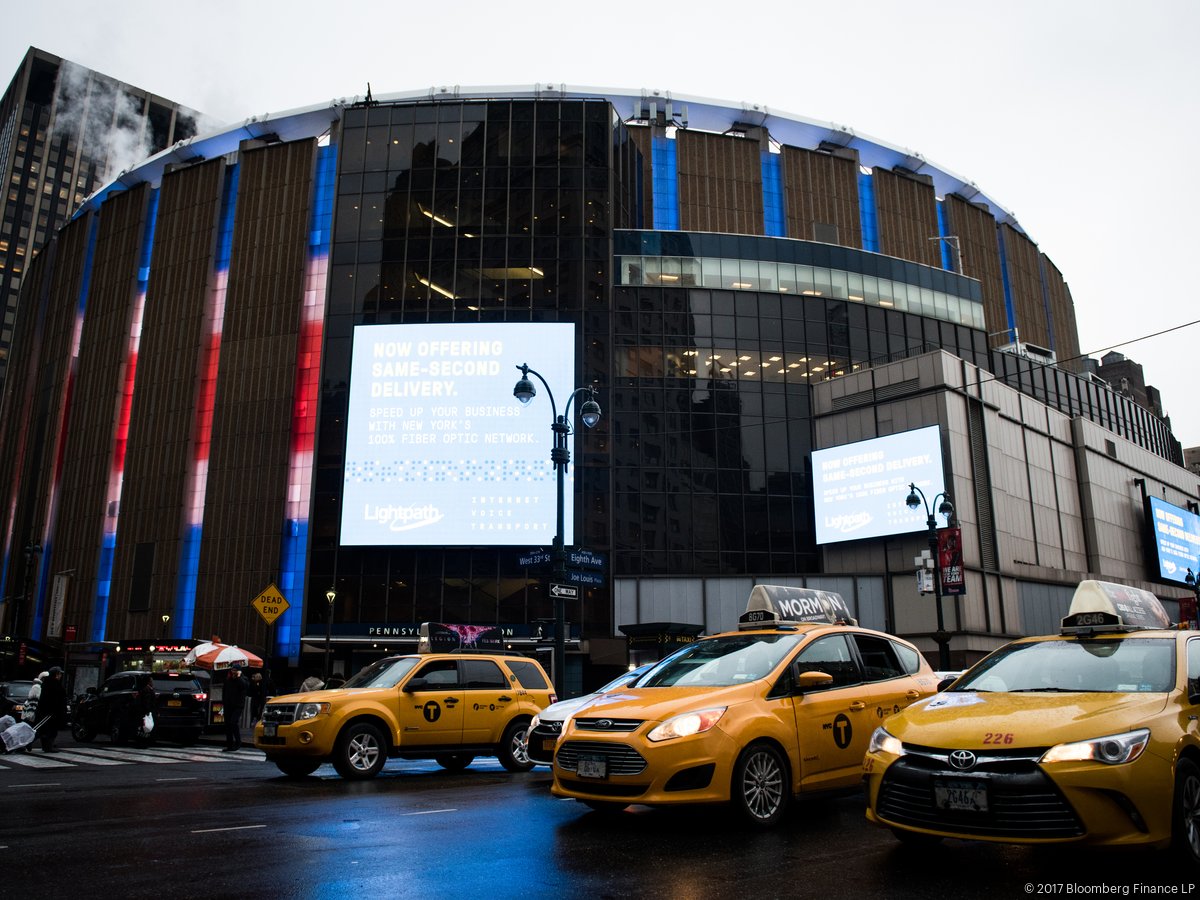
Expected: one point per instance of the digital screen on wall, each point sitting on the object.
(1174, 540)
(859, 489)
(439, 451)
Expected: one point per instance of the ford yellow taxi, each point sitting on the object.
(450, 706)
(1087, 736)
(783, 706)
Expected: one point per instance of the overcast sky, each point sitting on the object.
(1081, 118)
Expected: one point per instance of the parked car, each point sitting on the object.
(13, 695)
(548, 724)
(180, 708)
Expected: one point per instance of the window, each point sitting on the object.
(910, 659)
(482, 675)
(878, 658)
(529, 675)
(830, 655)
(442, 673)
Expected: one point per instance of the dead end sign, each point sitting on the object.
(270, 604)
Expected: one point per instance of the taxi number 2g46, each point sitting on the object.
(998, 737)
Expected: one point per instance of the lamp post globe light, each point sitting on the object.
(330, 595)
(560, 456)
(916, 498)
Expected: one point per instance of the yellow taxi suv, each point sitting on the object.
(1088, 736)
(782, 707)
(447, 706)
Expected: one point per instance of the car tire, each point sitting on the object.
(514, 752)
(297, 768)
(116, 731)
(605, 807)
(1185, 813)
(82, 733)
(916, 838)
(760, 789)
(454, 762)
(361, 751)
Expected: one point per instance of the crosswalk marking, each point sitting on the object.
(109, 755)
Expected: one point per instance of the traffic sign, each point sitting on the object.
(270, 604)
(566, 591)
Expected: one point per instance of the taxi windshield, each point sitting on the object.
(383, 673)
(1129, 665)
(722, 661)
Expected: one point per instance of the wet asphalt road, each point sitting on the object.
(216, 828)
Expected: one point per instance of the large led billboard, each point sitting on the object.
(859, 489)
(439, 451)
(1174, 540)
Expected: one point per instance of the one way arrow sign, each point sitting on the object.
(566, 591)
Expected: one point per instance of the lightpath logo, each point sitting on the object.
(403, 518)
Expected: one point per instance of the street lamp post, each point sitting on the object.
(330, 595)
(916, 497)
(1192, 581)
(560, 456)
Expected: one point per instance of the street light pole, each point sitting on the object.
(1192, 581)
(330, 595)
(560, 456)
(916, 497)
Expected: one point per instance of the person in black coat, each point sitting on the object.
(52, 709)
(233, 698)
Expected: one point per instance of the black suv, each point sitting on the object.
(180, 708)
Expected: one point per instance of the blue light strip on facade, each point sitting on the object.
(774, 220)
(866, 212)
(293, 565)
(1008, 299)
(666, 184)
(189, 555)
(944, 232)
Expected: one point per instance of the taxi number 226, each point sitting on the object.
(998, 737)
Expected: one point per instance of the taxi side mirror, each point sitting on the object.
(415, 684)
(945, 683)
(808, 680)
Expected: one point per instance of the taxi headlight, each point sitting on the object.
(687, 724)
(1112, 750)
(311, 711)
(883, 742)
(534, 722)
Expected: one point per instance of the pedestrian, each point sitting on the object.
(29, 707)
(52, 708)
(311, 683)
(258, 695)
(233, 698)
(143, 705)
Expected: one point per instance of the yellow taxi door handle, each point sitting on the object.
(913, 695)
(857, 705)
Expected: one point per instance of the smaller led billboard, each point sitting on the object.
(438, 450)
(859, 489)
(1174, 540)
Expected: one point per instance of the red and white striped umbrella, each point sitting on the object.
(228, 657)
(199, 650)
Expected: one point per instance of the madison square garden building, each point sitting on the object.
(284, 354)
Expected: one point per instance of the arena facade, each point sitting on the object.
(283, 355)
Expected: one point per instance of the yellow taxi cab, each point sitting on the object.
(781, 707)
(1087, 736)
(450, 706)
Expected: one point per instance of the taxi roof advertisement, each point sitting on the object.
(860, 489)
(1173, 541)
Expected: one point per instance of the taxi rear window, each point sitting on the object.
(1127, 666)
(529, 675)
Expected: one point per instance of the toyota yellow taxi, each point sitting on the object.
(783, 706)
(1088, 736)
(460, 696)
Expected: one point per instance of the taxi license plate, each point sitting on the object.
(960, 796)
(548, 744)
(269, 729)
(592, 767)
(174, 703)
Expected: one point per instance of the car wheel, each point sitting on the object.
(116, 731)
(760, 785)
(916, 838)
(605, 807)
(361, 751)
(81, 732)
(1185, 827)
(297, 768)
(514, 752)
(454, 762)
